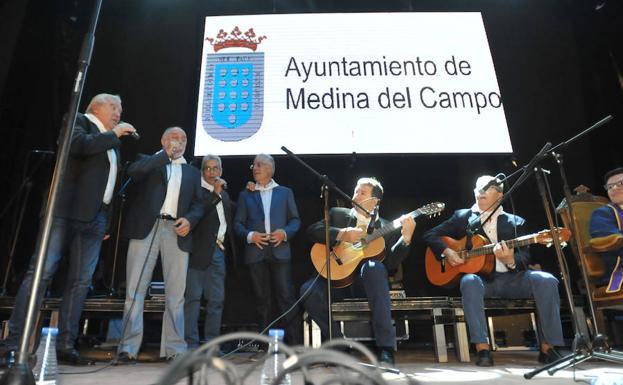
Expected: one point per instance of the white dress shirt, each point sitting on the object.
(266, 193)
(491, 229)
(174, 178)
(112, 160)
(220, 210)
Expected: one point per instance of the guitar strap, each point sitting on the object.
(616, 278)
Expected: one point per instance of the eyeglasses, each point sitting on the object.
(612, 186)
(257, 164)
(210, 169)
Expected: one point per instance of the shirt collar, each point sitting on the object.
(97, 122)
(269, 186)
(476, 209)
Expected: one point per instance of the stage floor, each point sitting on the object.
(419, 365)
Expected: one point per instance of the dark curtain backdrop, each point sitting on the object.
(556, 63)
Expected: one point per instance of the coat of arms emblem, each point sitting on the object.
(233, 97)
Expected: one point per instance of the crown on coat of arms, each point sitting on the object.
(236, 38)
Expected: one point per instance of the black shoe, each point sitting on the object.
(8, 358)
(124, 358)
(386, 357)
(549, 356)
(484, 358)
(72, 357)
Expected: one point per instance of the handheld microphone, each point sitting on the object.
(135, 135)
(224, 185)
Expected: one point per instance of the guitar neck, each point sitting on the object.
(387, 229)
(488, 249)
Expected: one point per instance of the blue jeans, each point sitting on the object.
(372, 283)
(541, 286)
(210, 283)
(84, 240)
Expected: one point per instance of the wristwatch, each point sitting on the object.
(511, 266)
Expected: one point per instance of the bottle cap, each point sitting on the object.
(276, 333)
(50, 331)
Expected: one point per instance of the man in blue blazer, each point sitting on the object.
(511, 277)
(267, 219)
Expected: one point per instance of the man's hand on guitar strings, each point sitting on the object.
(503, 253)
(453, 257)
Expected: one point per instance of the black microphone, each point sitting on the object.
(370, 228)
(494, 182)
(135, 135)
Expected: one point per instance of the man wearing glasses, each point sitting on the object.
(266, 219)
(511, 277)
(607, 221)
(206, 264)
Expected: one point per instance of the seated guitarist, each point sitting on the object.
(510, 279)
(371, 278)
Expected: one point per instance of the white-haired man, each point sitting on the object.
(206, 267)
(267, 219)
(511, 277)
(79, 224)
(166, 205)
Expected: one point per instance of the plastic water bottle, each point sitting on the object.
(274, 362)
(46, 370)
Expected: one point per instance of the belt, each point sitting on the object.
(166, 217)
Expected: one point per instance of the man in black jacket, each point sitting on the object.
(511, 277)
(371, 278)
(80, 221)
(167, 204)
(206, 266)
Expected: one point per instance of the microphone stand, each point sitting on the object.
(21, 372)
(582, 349)
(112, 291)
(327, 184)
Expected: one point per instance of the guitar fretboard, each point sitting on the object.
(387, 229)
(488, 249)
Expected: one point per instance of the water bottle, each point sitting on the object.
(46, 369)
(274, 362)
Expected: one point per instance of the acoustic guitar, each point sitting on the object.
(480, 259)
(346, 257)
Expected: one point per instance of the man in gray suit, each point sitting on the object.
(167, 205)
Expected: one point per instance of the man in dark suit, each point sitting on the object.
(511, 278)
(267, 219)
(371, 279)
(206, 266)
(167, 204)
(80, 221)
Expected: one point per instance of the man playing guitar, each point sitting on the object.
(510, 277)
(371, 280)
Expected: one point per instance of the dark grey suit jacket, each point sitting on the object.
(206, 230)
(149, 175)
(82, 188)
